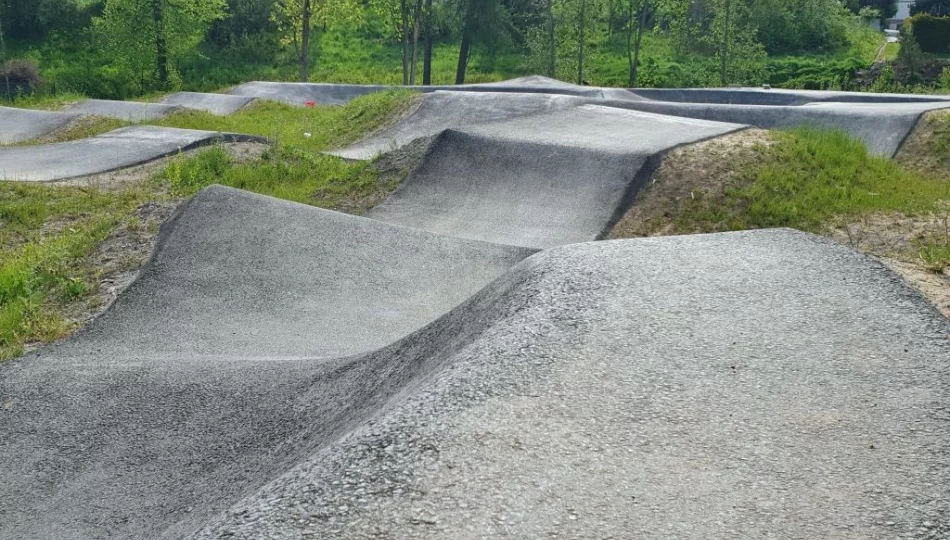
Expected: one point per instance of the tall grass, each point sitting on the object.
(810, 177)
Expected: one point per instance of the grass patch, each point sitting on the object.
(891, 50)
(285, 173)
(809, 177)
(45, 102)
(81, 128)
(311, 130)
(47, 234)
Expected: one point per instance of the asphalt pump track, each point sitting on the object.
(281, 371)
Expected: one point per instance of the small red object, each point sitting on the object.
(309, 104)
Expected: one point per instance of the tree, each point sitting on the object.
(484, 21)
(150, 36)
(295, 19)
(937, 8)
(638, 13)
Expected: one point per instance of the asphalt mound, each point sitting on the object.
(881, 126)
(117, 149)
(219, 104)
(443, 110)
(719, 386)
(776, 96)
(300, 94)
(17, 125)
(131, 111)
(220, 368)
(540, 180)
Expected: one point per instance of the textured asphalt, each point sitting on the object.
(280, 371)
(777, 96)
(117, 149)
(881, 126)
(443, 110)
(540, 180)
(219, 368)
(219, 104)
(766, 384)
(131, 111)
(17, 125)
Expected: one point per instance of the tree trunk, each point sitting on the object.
(427, 47)
(580, 42)
(305, 43)
(161, 46)
(415, 42)
(725, 46)
(3, 61)
(404, 13)
(551, 52)
(634, 64)
(466, 43)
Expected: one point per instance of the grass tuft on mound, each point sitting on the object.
(809, 177)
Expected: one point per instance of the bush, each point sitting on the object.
(932, 33)
(18, 77)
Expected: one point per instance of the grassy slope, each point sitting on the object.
(815, 181)
(48, 233)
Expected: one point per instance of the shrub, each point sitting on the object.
(18, 77)
(932, 33)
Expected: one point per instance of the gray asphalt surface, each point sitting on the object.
(337, 94)
(300, 93)
(117, 149)
(132, 111)
(541, 180)
(881, 126)
(765, 384)
(280, 371)
(776, 96)
(18, 125)
(215, 371)
(220, 104)
(443, 110)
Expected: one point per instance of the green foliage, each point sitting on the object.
(810, 176)
(147, 37)
(932, 33)
(47, 231)
(937, 8)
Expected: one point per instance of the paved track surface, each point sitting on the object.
(279, 371)
(118, 149)
(776, 96)
(219, 104)
(456, 110)
(210, 375)
(17, 125)
(338, 94)
(765, 384)
(132, 111)
(541, 180)
(881, 126)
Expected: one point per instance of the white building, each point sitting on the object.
(903, 12)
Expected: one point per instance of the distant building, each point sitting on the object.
(903, 12)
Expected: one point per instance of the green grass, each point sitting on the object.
(289, 126)
(891, 50)
(47, 233)
(810, 177)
